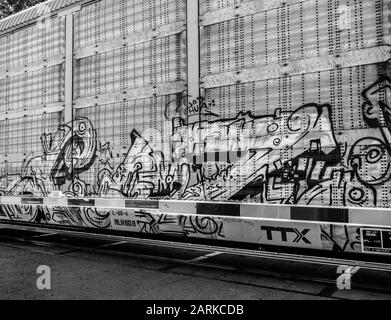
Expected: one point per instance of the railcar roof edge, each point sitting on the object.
(30, 14)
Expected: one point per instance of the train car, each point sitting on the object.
(265, 122)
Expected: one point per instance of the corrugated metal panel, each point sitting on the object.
(265, 65)
(120, 126)
(130, 64)
(141, 65)
(212, 5)
(31, 67)
(20, 143)
(341, 88)
(23, 135)
(117, 70)
(31, 94)
(292, 32)
(32, 44)
(31, 91)
(111, 19)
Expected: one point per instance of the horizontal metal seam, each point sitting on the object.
(345, 60)
(118, 43)
(243, 10)
(33, 67)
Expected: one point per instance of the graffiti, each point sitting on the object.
(341, 238)
(203, 225)
(66, 154)
(187, 108)
(21, 213)
(61, 215)
(179, 225)
(80, 216)
(200, 107)
(288, 157)
(143, 173)
(258, 155)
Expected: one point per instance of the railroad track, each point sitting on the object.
(203, 256)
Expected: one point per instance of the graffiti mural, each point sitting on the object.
(180, 225)
(288, 158)
(283, 158)
(66, 153)
(340, 238)
(143, 173)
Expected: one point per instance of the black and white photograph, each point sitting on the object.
(192, 156)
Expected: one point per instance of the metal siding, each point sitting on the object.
(288, 33)
(212, 5)
(262, 37)
(268, 66)
(32, 43)
(21, 143)
(111, 85)
(31, 96)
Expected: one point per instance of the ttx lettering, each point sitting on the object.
(284, 231)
